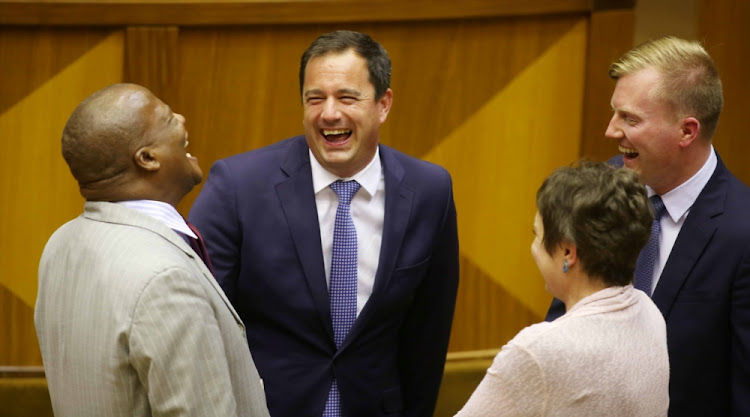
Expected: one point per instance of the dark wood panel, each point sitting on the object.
(184, 12)
(724, 29)
(610, 36)
(151, 58)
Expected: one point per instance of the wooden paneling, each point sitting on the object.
(610, 36)
(243, 12)
(496, 85)
(18, 343)
(151, 59)
(36, 188)
(724, 28)
(487, 316)
(53, 49)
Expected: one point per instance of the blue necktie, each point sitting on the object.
(343, 286)
(644, 268)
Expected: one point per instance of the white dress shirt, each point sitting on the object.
(368, 211)
(163, 212)
(678, 202)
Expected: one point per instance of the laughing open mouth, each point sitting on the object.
(336, 135)
(629, 152)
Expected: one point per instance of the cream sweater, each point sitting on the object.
(607, 356)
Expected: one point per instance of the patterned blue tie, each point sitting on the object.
(644, 268)
(343, 286)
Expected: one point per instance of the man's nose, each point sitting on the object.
(330, 110)
(613, 131)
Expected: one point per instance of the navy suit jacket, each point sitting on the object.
(704, 294)
(258, 216)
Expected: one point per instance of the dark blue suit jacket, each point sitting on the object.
(704, 294)
(258, 216)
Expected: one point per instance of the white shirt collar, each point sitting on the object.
(163, 212)
(679, 200)
(368, 178)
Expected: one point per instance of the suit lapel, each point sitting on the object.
(298, 202)
(694, 235)
(115, 213)
(398, 206)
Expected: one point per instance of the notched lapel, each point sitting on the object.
(694, 236)
(298, 203)
(398, 206)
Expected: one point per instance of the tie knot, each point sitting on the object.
(658, 205)
(345, 190)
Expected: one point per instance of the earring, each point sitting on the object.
(565, 265)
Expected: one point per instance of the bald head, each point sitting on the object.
(123, 143)
(103, 131)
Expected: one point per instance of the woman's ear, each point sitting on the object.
(145, 158)
(570, 253)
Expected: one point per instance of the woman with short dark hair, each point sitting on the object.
(607, 356)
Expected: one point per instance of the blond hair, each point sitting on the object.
(690, 82)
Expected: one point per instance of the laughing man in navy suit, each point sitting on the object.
(268, 218)
(666, 103)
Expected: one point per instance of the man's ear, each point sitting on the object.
(145, 158)
(690, 130)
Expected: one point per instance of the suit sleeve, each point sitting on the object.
(740, 354)
(214, 213)
(177, 349)
(426, 329)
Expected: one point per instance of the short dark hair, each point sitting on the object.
(602, 210)
(340, 41)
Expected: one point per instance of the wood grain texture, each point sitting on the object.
(243, 12)
(610, 36)
(36, 188)
(53, 49)
(724, 29)
(486, 316)
(18, 343)
(151, 58)
(238, 87)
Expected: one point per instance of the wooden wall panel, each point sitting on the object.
(36, 188)
(151, 59)
(610, 36)
(238, 88)
(499, 86)
(724, 28)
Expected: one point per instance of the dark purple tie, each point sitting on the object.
(644, 268)
(199, 246)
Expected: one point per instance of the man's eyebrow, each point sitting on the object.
(312, 92)
(349, 91)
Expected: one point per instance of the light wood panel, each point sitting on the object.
(479, 86)
(487, 316)
(36, 188)
(724, 28)
(18, 343)
(53, 49)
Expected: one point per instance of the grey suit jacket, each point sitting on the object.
(131, 323)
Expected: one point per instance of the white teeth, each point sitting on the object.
(336, 132)
(627, 150)
(188, 155)
(186, 143)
